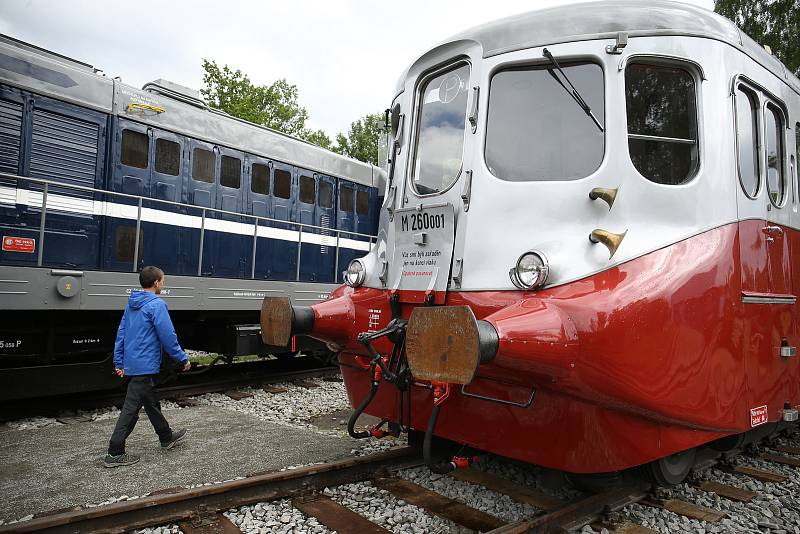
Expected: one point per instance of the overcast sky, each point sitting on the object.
(344, 55)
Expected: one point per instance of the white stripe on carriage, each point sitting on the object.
(84, 206)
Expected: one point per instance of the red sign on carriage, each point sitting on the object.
(759, 416)
(18, 244)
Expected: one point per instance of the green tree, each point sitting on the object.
(361, 141)
(318, 137)
(274, 106)
(775, 23)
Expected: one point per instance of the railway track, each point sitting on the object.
(202, 510)
(213, 379)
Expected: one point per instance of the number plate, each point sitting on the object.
(423, 248)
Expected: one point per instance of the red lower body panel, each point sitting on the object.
(646, 359)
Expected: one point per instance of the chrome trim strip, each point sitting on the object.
(750, 299)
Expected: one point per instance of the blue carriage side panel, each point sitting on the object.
(64, 144)
(12, 107)
(315, 207)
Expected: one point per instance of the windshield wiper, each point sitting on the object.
(576, 96)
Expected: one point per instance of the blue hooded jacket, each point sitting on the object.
(144, 329)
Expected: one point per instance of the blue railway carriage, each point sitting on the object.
(98, 179)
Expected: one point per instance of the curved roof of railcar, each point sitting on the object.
(41, 71)
(603, 19)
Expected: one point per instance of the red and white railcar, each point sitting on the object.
(588, 254)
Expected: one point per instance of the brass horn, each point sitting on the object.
(610, 240)
(607, 195)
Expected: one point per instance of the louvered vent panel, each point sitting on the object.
(10, 133)
(64, 149)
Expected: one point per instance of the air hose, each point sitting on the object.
(351, 424)
(440, 467)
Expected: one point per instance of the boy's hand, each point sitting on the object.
(120, 372)
(187, 366)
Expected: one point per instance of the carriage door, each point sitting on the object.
(201, 192)
(326, 214)
(765, 272)
(232, 247)
(346, 222)
(307, 214)
(162, 236)
(259, 203)
(282, 237)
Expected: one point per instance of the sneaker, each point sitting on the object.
(176, 438)
(121, 459)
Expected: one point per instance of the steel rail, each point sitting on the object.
(197, 502)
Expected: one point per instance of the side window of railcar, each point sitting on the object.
(662, 122)
(307, 189)
(259, 181)
(230, 172)
(203, 165)
(283, 184)
(776, 182)
(346, 199)
(362, 203)
(747, 140)
(535, 130)
(135, 149)
(325, 195)
(168, 157)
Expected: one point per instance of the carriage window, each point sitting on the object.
(283, 184)
(662, 122)
(230, 172)
(440, 134)
(362, 203)
(168, 157)
(346, 199)
(307, 189)
(259, 181)
(747, 140)
(325, 195)
(135, 149)
(203, 165)
(536, 132)
(776, 183)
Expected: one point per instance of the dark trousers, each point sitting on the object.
(141, 393)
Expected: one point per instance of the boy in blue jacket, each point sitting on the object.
(145, 328)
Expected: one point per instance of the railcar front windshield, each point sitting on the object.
(440, 131)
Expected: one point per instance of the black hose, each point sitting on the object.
(351, 424)
(440, 468)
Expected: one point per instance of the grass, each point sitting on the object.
(206, 359)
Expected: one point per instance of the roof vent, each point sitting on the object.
(175, 91)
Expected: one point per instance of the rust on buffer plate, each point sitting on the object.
(442, 344)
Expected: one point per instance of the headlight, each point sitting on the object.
(530, 271)
(355, 274)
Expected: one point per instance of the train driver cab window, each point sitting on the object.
(203, 165)
(259, 181)
(168, 157)
(230, 172)
(346, 199)
(362, 203)
(662, 122)
(536, 131)
(776, 182)
(325, 195)
(135, 149)
(746, 104)
(440, 130)
(307, 190)
(283, 184)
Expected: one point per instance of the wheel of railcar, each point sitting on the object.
(670, 470)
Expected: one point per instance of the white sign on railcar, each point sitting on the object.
(423, 247)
